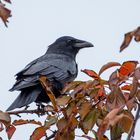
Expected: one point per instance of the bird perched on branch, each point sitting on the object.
(57, 64)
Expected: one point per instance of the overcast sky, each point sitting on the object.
(37, 23)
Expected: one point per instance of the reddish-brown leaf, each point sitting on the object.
(50, 121)
(10, 131)
(5, 118)
(65, 135)
(89, 120)
(38, 133)
(127, 39)
(47, 86)
(62, 124)
(137, 34)
(62, 101)
(127, 68)
(84, 109)
(91, 73)
(138, 95)
(126, 87)
(107, 66)
(21, 122)
(113, 80)
(134, 89)
(71, 86)
(111, 119)
(126, 123)
(115, 99)
(4, 13)
(137, 73)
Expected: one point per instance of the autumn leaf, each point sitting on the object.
(50, 121)
(134, 89)
(126, 123)
(127, 68)
(113, 80)
(91, 73)
(62, 101)
(65, 135)
(4, 13)
(47, 86)
(71, 86)
(115, 99)
(5, 118)
(107, 66)
(21, 122)
(126, 87)
(84, 109)
(137, 34)
(89, 120)
(62, 124)
(38, 133)
(128, 38)
(10, 131)
(110, 120)
(137, 73)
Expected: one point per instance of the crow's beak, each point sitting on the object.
(82, 44)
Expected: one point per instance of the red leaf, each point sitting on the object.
(111, 119)
(108, 65)
(126, 87)
(91, 73)
(4, 13)
(38, 133)
(127, 68)
(10, 131)
(137, 34)
(21, 122)
(127, 39)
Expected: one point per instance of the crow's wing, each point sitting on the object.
(62, 69)
(61, 61)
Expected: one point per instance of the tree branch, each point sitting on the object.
(35, 111)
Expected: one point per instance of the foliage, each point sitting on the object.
(106, 104)
(5, 13)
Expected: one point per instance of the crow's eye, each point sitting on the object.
(70, 42)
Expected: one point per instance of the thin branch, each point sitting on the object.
(35, 111)
(132, 130)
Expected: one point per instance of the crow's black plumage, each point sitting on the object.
(57, 64)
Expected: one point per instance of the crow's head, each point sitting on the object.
(68, 45)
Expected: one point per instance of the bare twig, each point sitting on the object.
(35, 111)
(132, 130)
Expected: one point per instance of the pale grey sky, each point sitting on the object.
(37, 23)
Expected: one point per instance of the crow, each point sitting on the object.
(57, 64)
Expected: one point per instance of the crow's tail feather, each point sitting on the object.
(25, 97)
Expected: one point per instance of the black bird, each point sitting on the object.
(57, 64)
